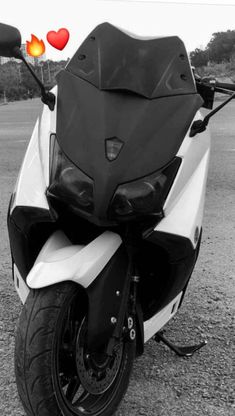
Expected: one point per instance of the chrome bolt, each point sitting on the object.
(81, 57)
(130, 322)
(117, 293)
(113, 320)
(132, 334)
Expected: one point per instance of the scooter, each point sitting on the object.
(105, 221)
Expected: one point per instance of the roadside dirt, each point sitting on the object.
(162, 384)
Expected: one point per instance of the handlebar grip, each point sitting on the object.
(225, 85)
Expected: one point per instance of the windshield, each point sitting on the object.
(111, 59)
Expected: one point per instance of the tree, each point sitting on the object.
(199, 57)
(222, 46)
(17, 83)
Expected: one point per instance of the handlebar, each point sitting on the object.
(225, 85)
(206, 87)
(213, 83)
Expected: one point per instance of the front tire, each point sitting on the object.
(54, 373)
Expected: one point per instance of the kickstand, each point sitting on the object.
(181, 351)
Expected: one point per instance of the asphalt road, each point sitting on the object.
(162, 383)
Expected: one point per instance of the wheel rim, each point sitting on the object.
(86, 385)
(96, 371)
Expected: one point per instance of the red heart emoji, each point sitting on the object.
(58, 39)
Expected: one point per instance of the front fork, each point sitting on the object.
(129, 312)
(126, 322)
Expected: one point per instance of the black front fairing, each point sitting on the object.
(139, 91)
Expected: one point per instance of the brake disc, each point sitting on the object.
(96, 374)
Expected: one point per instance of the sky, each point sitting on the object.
(193, 23)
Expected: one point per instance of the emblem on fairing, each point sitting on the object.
(113, 147)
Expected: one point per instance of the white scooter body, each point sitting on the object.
(59, 260)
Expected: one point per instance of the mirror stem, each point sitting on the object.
(47, 97)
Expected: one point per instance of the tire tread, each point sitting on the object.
(34, 353)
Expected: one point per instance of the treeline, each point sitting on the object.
(220, 49)
(16, 82)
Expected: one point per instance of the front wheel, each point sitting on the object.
(55, 373)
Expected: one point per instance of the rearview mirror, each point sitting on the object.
(10, 41)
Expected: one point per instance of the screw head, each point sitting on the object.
(117, 293)
(130, 322)
(113, 320)
(132, 334)
(81, 57)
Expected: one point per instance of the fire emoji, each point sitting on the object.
(36, 47)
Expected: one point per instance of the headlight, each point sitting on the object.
(144, 196)
(67, 182)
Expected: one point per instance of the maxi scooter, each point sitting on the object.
(105, 220)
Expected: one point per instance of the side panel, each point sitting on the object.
(179, 232)
(191, 151)
(30, 222)
(30, 186)
(185, 219)
(33, 177)
(153, 325)
(184, 206)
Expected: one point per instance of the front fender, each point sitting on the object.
(59, 260)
